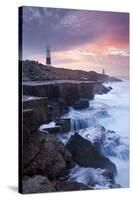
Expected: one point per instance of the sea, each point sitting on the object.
(110, 111)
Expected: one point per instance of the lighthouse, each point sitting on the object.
(48, 58)
(103, 72)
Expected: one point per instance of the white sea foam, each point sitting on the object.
(45, 126)
(117, 102)
(95, 178)
(112, 112)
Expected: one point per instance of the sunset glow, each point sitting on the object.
(87, 40)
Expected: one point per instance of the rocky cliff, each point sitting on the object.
(46, 161)
(35, 71)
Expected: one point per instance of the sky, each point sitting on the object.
(78, 39)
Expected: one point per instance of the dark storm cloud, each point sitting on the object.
(63, 28)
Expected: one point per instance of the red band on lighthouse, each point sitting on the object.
(48, 61)
(48, 58)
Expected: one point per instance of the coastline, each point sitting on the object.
(111, 122)
(55, 111)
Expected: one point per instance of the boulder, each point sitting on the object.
(44, 154)
(87, 155)
(107, 141)
(37, 184)
(81, 104)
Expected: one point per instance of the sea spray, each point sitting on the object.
(112, 112)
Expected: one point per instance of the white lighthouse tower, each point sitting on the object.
(48, 57)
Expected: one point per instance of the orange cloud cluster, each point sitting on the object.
(106, 53)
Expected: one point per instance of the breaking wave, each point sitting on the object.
(106, 124)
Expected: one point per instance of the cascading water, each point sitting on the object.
(78, 120)
(81, 119)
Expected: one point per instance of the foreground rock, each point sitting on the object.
(38, 105)
(37, 184)
(45, 159)
(87, 155)
(44, 154)
(107, 141)
(70, 186)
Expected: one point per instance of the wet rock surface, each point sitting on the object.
(45, 158)
(87, 155)
(35, 111)
(65, 124)
(81, 104)
(37, 184)
(70, 186)
(101, 89)
(44, 154)
(107, 141)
